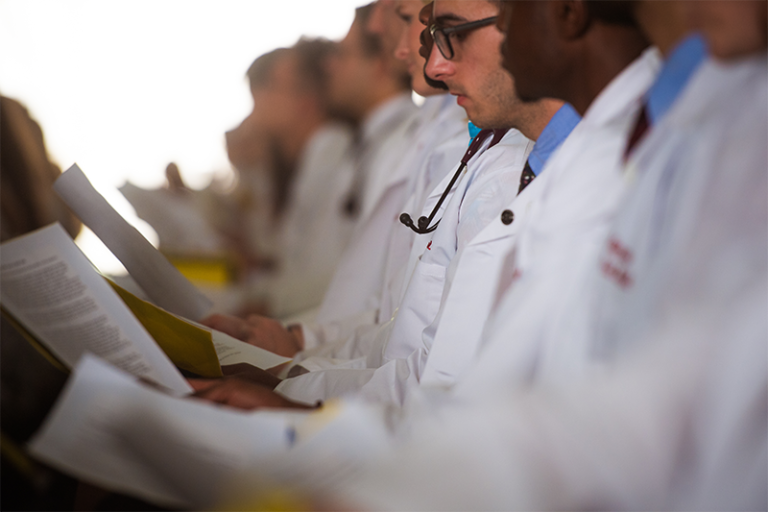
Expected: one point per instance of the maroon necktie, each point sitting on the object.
(526, 178)
(641, 126)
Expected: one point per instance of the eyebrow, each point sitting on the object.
(439, 20)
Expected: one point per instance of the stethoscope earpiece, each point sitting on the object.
(423, 227)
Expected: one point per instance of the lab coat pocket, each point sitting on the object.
(417, 310)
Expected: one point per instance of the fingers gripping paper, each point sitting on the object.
(149, 268)
(110, 430)
(194, 347)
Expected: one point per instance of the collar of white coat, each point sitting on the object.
(432, 106)
(445, 105)
(387, 116)
(625, 90)
(435, 111)
(512, 140)
(423, 130)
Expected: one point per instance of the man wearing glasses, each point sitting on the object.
(484, 194)
(444, 288)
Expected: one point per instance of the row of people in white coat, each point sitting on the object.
(661, 427)
(341, 173)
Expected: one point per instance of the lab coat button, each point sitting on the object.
(507, 217)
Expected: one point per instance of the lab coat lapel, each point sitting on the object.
(479, 265)
(421, 299)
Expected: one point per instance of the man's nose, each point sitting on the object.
(402, 51)
(438, 67)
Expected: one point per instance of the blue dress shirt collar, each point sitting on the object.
(682, 63)
(556, 131)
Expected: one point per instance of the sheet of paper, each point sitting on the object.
(112, 431)
(233, 351)
(189, 347)
(49, 286)
(164, 285)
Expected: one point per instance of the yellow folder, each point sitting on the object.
(188, 346)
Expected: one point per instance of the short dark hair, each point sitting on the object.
(260, 71)
(311, 58)
(372, 46)
(612, 12)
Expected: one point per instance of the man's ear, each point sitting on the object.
(425, 13)
(571, 17)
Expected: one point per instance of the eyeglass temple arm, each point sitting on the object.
(468, 26)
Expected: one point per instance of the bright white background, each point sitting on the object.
(123, 87)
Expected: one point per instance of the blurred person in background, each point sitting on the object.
(335, 186)
(385, 22)
(30, 382)
(307, 156)
(316, 146)
(28, 200)
(370, 277)
(266, 173)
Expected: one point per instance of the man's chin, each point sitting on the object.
(488, 124)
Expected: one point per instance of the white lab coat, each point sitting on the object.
(675, 161)
(314, 230)
(580, 191)
(322, 233)
(385, 137)
(450, 342)
(490, 182)
(438, 138)
(677, 419)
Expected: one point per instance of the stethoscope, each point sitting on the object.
(423, 226)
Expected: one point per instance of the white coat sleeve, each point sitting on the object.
(322, 333)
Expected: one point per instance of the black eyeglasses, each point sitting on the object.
(441, 35)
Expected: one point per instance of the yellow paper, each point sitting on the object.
(209, 270)
(189, 347)
(276, 501)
